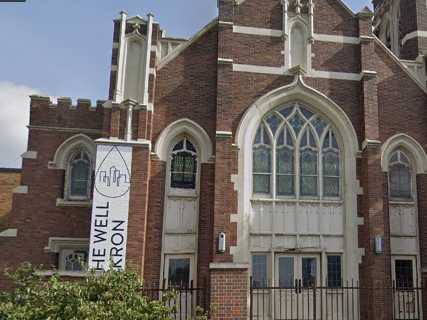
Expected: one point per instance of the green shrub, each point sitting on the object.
(111, 295)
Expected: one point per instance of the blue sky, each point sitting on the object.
(63, 48)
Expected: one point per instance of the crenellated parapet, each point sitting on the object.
(66, 114)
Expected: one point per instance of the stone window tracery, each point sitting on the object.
(79, 176)
(296, 154)
(400, 177)
(184, 165)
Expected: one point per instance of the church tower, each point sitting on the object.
(402, 26)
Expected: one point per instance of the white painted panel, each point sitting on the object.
(404, 246)
(260, 243)
(181, 215)
(189, 218)
(180, 243)
(135, 73)
(332, 220)
(309, 242)
(261, 218)
(285, 218)
(285, 242)
(403, 220)
(308, 218)
(334, 243)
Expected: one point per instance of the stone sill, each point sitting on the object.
(71, 274)
(73, 203)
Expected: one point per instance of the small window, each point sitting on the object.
(331, 166)
(262, 162)
(308, 165)
(179, 273)
(400, 178)
(79, 176)
(404, 274)
(73, 260)
(334, 272)
(184, 165)
(259, 271)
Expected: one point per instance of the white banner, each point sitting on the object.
(108, 235)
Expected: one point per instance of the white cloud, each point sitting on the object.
(14, 117)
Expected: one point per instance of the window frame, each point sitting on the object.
(309, 124)
(69, 180)
(171, 191)
(341, 280)
(267, 268)
(66, 251)
(409, 165)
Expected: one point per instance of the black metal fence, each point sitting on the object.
(187, 302)
(300, 302)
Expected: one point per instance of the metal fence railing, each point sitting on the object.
(325, 303)
(187, 301)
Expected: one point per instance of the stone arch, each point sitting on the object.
(410, 145)
(60, 159)
(298, 91)
(180, 127)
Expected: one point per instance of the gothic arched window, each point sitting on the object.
(184, 165)
(300, 150)
(400, 177)
(262, 161)
(79, 176)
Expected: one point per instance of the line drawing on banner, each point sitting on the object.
(113, 181)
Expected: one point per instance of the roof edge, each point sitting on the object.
(400, 63)
(185, 45)
(345, 5)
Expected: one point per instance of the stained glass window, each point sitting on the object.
(331, 166)
(184, 165)
(80, 176)
(262, 161)
(400, 176)
(300, 150)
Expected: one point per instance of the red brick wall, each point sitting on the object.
(229, 294)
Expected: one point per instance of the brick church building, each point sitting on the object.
(281, 147)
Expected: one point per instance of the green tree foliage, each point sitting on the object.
(110, 295)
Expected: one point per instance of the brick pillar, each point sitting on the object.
(138, 207)
(422, 225)
(375, 269)
(229, 292)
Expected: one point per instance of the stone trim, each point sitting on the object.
(187, 44)
(64, 129)
(117, 141)
(225, 61)
(9, 233)
(224, 134)
(227, 266)
(279, 33)
(21, 190)
(29, 155)
(70, 203)
(258, 31)
(55, 244)
(281, 71)
(71, 274)
(414, 34)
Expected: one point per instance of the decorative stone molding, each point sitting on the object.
(21, 190)
(70, 203)
(228, 265)
(29, 155)
(184, 126)
(412, 146)
(55, 244)
(9, 233)
(60, 159)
